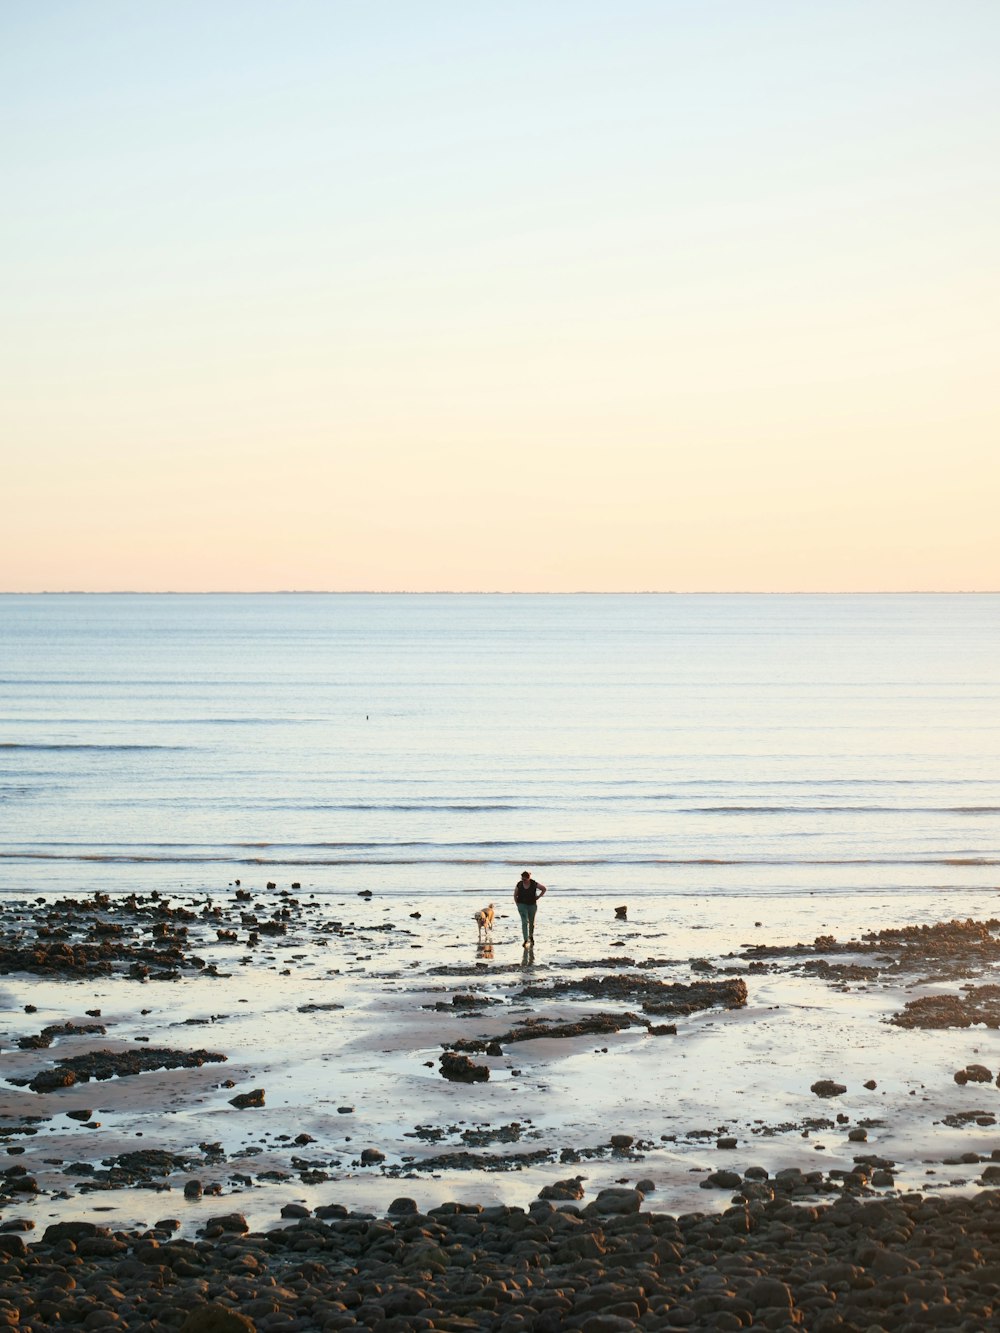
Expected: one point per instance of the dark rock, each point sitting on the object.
(563, 1190)
(246, 1099)
(973, 1074)
(615, 1201)
(402, 1206)
(212, 1318)
(825, 1087)
(57, 1232)
(722, 1180)
(118, 1064)
(460, 1069)
(228, 1222)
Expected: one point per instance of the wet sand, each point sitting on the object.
(615, 1060)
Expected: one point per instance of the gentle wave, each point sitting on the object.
(138, 858)
(36, 745)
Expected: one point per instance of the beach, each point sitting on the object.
(257, 1053)
(275, 1056)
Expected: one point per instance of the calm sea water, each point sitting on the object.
(730, 745)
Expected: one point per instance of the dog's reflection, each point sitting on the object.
(484, 950)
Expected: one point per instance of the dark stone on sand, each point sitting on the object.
(49, 1080)
(294, 1210)
(857, 1135)
(532, 1029)
(618, 1202)
(563, 1190)
(722, 1180)
(12, 1246)
(661, 998)
(57, 1232)
(460, 1069)
(825, 1087)
(726, 1142)
(973, 1074)
(372, 1156)
(622, 1142)
(235, 1223)
(118, 1064)
(82, 1113)
(40, 1041)
(244, 1100)
(401, 1206)
(871, 1085)
(769, 1294)
(212, 1318)
(979, 1004)
(193, 1189)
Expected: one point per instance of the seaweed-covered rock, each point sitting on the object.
(460, 1069)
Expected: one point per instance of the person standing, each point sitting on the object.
(526, 896)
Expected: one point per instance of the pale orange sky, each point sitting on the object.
(502, 296)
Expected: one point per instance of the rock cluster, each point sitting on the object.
(903, 1264)
(980, 1004)
(655, 997)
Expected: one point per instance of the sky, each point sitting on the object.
(533, 295)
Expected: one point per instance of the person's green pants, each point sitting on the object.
(526, 911)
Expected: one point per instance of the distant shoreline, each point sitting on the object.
(500, 592)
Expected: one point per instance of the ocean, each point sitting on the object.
(715, 747)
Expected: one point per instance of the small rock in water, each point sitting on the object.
(460, 1069)
(193, 1189)
(825, 1087)
(973, 1074)
(722, 1180)
(245, 1099)
(371, 1156)
(294, 1209)
(621, 912)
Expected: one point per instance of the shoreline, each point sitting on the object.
(688, 1085)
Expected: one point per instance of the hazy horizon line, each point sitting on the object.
(500, 592)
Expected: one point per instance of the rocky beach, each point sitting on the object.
(272, 1108)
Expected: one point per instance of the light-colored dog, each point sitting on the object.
(484, 920)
